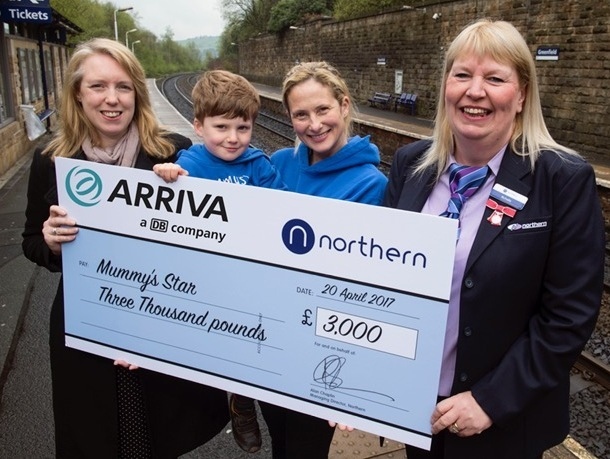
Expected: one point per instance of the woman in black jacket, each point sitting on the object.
(102, 410)
(529, 261)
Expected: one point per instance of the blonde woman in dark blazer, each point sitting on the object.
(528, 273)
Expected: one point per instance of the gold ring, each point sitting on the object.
(455, 428)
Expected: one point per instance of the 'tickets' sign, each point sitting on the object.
(37, 11)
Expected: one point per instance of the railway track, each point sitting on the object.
(599, 371)
(177, 90)
(277, 126)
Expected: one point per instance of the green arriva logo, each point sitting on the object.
(83, 186)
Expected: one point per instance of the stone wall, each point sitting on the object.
(13, 137)
(575, 90)
(13, 134)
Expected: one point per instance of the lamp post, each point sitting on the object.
(133, 44)
(116, 30)
(126, 36)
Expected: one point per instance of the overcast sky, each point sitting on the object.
(186, 18)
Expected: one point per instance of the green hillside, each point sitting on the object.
(204, 44)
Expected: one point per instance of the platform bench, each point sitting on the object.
(381, 99)
(408, 101)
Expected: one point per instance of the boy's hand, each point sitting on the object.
(124, 364)
(169, 171)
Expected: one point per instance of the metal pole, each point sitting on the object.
(126, 36)
(116, 29)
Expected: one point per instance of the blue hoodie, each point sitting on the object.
(350, 174)
(251, 168)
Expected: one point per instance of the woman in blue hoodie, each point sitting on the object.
(327, 161)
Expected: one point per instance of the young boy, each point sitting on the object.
(226, 106)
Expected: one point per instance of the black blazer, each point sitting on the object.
(182, 414)
(529, 300)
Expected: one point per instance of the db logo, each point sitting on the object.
(83, 186)
(298, 236)
(159, 225)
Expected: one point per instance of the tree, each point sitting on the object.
(290, 12)
(158, 57)
(228, 49)
(247, 18)
(347, 9)
(95, 19)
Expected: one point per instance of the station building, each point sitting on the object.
(33, 57)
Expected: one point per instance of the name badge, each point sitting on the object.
(508, 196)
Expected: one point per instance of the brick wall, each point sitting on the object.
(575, 90)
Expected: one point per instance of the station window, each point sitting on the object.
(63, 56)
(34, 57)
(49, 74)
(3, 99)
(31, 79)
(22, 56)
(6, 110)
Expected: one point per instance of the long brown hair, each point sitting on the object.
(74, 126)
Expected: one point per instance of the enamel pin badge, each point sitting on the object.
(498, 212)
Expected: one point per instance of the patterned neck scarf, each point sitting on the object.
(124, 153)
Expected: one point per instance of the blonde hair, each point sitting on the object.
(326, 75)
(502, 42)
(222, 93)
(74, 126)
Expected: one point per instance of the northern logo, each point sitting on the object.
(526, 226)
(298, 236)
(84, 186)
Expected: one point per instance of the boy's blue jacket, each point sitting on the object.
(251, 168)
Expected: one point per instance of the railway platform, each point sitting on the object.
(26, 422)
(388, 120)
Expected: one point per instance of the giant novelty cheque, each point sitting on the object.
(331, 308)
